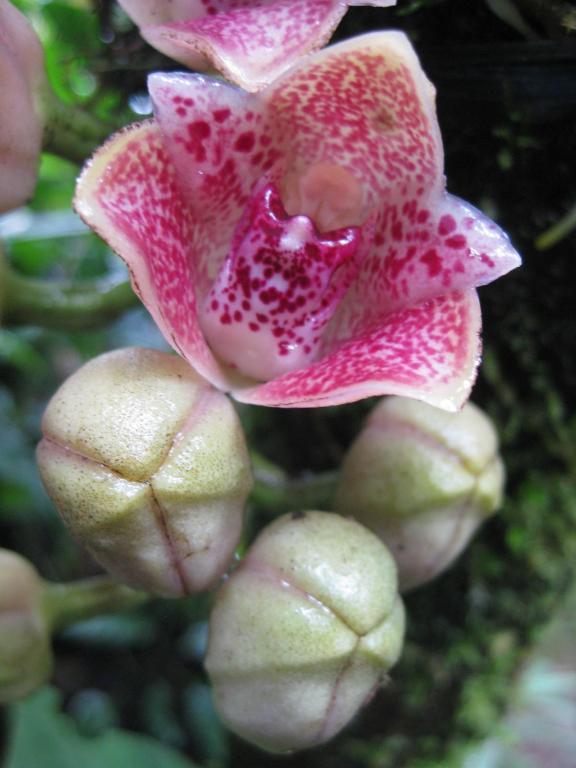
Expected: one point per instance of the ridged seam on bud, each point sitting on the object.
(25, 644)
(423, 480)
(148, 467)
(304, 631)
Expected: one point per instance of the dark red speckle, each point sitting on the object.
(245, 142)
(446, 225)
(432, 261)
(457, 241)
(221, 115)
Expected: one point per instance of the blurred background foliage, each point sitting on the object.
(465, 692)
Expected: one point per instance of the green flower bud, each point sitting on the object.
(304, 631)
(423, 480)
(148, 467)
(25, 642)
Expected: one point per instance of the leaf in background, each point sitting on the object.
(20, 489)
(159, 714)
(114, 632)
(210, 736)
(42, 734)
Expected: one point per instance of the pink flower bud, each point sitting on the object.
(423, 480)
(147, 465)
(25, 649)
(21, 78)
(304, 631)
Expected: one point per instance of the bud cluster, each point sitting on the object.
(148, 466)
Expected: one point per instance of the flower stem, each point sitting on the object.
(557, 15)
(558, 231)
(277, 493)
(65, 604)
(70, 132)
(63, 305)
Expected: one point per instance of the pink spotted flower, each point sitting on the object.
(251, 42)
(298, 246)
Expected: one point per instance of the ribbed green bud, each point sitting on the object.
(423, 480)
(148, 467)
(304, 631)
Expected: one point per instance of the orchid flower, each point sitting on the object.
(21, 78)
(298, 246)
(251, 42)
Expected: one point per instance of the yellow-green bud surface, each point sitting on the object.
(423, 480)
(25, 646)
(304, 631)
(148, 467)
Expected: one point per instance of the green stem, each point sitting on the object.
(558, 231)
(63, 305)
(276, 492)
(557, 15)
(65, 604)
(70, 132)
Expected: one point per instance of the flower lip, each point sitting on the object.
(278, 287)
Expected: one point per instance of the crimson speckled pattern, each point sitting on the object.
(422, 251)
(403, 316)
(221, 141)
(141, 198)
(250, 41)
(371, 114)
(427, 351)
(280, 284)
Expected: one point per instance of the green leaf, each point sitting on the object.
(39, 729)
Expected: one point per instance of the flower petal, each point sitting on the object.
(429, 352)
(452, 246)
(250, 45)
(221, 143)
(365, 106)
(130, 196)
(251, 42)
(421, 252)
(146, 12)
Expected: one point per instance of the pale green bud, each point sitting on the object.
(304, 631)
(148, 466)
(423, 480)
(25, 641)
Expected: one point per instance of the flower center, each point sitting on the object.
(277, 289)
(326, 193)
